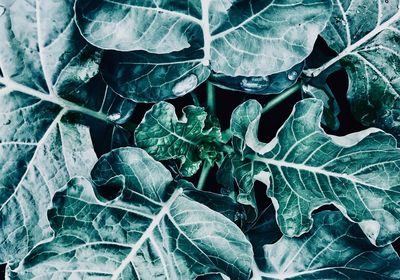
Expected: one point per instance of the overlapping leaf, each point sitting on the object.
(334, 249)
(232, 38)
(151, 229)
(366, 35)
(192, 139)
(45, 65)
(306, 168)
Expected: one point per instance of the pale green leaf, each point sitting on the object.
(190, 139)
(151, 229)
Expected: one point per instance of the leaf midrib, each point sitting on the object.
(147, 233)
(11, 86)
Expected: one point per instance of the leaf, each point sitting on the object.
(331, 107)
(307, 168)
(189, 139)
(151, 78)
(152, 229)
(237, 169)
(238, 38)
(273, 84)
(45, 67)
(333, 249)
(263, 231)
(366, 35)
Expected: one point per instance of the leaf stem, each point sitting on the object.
(196, 101)
(210, 98)
(203, 175)
(281, 97)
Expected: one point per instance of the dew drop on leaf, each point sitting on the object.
(114, 117)
(293, 75)
(255, 84)
(185, 85)
(2, 10)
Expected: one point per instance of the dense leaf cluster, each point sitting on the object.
(74, 72)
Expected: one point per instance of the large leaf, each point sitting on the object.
(366, 35)
(150, 230)
(152, 78)
(334, 249)
(192, 139)
(307, 168)
(232, 38)
(44, 61)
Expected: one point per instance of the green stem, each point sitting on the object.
(203, 176)
(211, 98)
(196, 101)
(281, 97)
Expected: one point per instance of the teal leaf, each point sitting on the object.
(46, 74)
(237, 38)
(366, 36)
(334, 249)
(148, 229)
(190, 139)
(272, 84)
(152, 78)
(331, 107)
(307, 168)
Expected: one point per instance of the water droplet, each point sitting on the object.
(293, 75)
(114, 117)
(386, 1)
(357, 11)
(2, 10)
(7, 122)
(185, 85)
(374, 77)
(255, 84)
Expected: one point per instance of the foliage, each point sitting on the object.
(89, 193)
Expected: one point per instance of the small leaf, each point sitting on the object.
(151, 229)
(331, 107)
(190, 140)
(334, 249)
(306, 169)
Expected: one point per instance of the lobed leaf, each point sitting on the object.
(307, 168)
(191, 139)
(172, 236)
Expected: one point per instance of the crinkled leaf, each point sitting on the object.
(237, 38)
(189, 139)
(45, 65)
(150, 229)
(151, 78)
(307, 168)
(273, 84)
(366, 35)
(334, 249)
